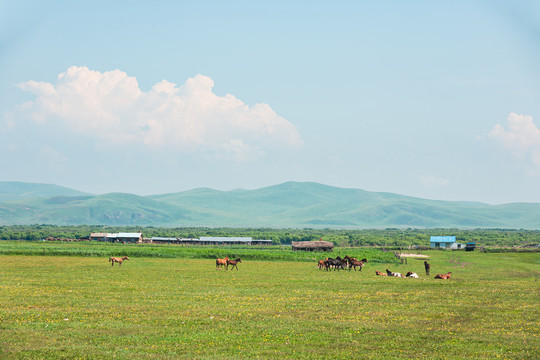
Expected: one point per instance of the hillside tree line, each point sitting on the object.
(390, 237)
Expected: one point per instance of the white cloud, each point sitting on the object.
(110, 107)
(434, 181)
(522, 137)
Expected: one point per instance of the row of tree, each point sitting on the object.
(340, 237)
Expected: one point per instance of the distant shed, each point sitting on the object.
(98, 236)
(312, 246)
(211, 240)
(470, 246)
(163, 240)
(130, 237)
(445, 242)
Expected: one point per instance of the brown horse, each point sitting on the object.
(221, 262)
(355, 264)
(321, 263)
(380, 273)
(443, 276)
(233, 263)
(118, 260)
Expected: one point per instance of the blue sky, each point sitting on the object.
(431, 99)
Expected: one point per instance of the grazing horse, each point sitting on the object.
(355, 264)
(380, 273)
(427, 266)
(118, 260)
(412, 275)
(443, 276)
(221, 262)
(321, 263)
(333, 263)
(233, 263)
(344, 263)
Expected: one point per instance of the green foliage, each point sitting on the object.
(391, 237)
(266, 253)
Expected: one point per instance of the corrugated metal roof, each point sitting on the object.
(99, 234)
(443, 239)
(226, 239)
(129, 235)
(164, 238)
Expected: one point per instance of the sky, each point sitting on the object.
(432, 99)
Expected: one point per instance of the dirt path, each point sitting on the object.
(414, 255)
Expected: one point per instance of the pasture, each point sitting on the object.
(167, 308)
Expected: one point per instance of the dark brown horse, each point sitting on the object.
(427, 266)
(233, 263)
(118, 260)
(221, 262)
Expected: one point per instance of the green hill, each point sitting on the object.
(290, 204)
(11, 190)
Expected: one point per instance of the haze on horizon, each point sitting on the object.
(427, 99)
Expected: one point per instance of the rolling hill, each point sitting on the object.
(291, 204)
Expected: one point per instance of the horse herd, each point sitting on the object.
(345, 263)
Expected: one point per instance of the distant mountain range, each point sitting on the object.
(292, 204)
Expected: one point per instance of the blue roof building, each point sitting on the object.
(445, 242)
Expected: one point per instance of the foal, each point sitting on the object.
(233, 263)
(118, 260)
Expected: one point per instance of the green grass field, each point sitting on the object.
(69, 307)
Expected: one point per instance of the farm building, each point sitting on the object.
(312, 245)
(117, 237)
(470, 246)
(111, 237)
(210, 240)
(445, 242)
(130, 237)
(166, 240)
(98, 236)
(163, 240)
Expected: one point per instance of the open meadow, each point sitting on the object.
(75, 307)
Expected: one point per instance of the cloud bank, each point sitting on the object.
(110, 108)
(522, 137)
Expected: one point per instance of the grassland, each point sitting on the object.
(96, 248)
(69, 307)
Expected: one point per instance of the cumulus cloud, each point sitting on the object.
(521, 137)
(110, 107)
